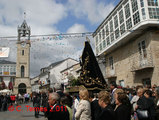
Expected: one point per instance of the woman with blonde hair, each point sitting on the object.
(118, 90)
(83, 110)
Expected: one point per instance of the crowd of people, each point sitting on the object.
(116, 103)
(7, 100)
(136, 103)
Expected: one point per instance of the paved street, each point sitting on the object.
(21, 114)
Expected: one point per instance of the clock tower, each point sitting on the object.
(22, 82)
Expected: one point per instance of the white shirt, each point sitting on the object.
(76, 102)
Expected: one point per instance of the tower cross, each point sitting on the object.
(24, 15)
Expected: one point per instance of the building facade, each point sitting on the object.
(70, 73)
(22, 81)
(127, 39)
(7, 74)
(51, 75)
(55, 71)
(35, 84)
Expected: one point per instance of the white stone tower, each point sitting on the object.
(22, 81)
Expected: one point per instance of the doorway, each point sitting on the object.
(22, 88)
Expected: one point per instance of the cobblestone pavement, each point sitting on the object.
(21, 113)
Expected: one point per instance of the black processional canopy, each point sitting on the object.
(91, 75)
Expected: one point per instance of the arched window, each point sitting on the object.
(22, 71)
(22, 52)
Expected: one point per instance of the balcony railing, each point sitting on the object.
(110, 73)
(140, 62)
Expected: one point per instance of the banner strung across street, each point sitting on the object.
(4, 52)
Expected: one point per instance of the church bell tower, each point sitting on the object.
(22, 81)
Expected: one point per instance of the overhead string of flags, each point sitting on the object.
(62, 36)
(50, 40)
(56, 37)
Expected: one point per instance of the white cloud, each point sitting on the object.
(77, 28)
(94, 11)
(41, 15)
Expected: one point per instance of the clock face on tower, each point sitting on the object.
(23, 39)
(23, 44)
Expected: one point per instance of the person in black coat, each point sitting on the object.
(107, 112)
(95, 108)
(142, 103)
(57, 111)
(0, 102)
(36, 104)
(150, 104)
(123, 107)
(4, 103)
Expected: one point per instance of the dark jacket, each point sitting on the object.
(59, 112)
(107, 113)
(95, 110)
(36, 101)
(123, 112)
(151, 105)
(147, 104)
(142, 103)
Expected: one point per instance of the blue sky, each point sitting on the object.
(71, 19)
(52, 17)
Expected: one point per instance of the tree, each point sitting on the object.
(73, 81)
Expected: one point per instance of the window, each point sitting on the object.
(143, 13)
(111, 26)
(12, 71)
(7, 68)
(122, 28)
(22, 52)
(121, 17)
(128, 23)
(100, 46)
(107, 31)
(97, 50)
(136, 18)
(134, 5)
(112, 37)
(100, 36)
(22, 71)
(4, 68)
(153, 13)
(146, 82)
(1, 70)
(142, 3)
(117, 33)
(121, 83)
(103, 33)
(1, 79)
(142, 49)
(108, 41)
(116, 21)
(111, 62)
(152, 2)
(104, 44)
(96, 40)
(12, 79)
(127, 11)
